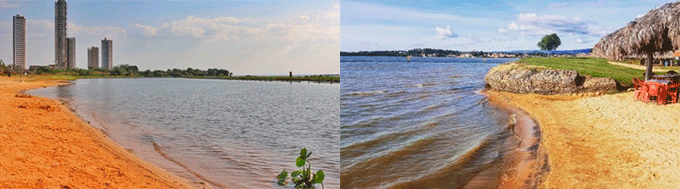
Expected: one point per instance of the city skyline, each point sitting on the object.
(243, 37)
(488, 25)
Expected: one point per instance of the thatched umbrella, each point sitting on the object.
(657, 31)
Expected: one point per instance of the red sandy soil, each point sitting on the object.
(45, 145)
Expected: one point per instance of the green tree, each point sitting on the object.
(550, 42)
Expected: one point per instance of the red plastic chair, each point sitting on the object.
(673, 91)
(658, 90)
(638, 84)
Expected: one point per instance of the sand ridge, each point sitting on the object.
(607, 141)
(45, 145)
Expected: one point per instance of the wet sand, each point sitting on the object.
(45, 145)
(605, 141)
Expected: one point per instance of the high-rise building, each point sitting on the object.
(60, 56)
(71, 52)
(92, 58)
(107, 54)
(19, 42)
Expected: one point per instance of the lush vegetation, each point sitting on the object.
(303, 177)
(549, 42)
(596, 67)
(126, 71)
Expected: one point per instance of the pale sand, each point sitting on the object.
(641, 67)
(605, 141)
(44, 145)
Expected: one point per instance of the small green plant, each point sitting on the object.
(302, 178)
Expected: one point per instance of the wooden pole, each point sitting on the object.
(648, 73)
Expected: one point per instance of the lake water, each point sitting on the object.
(231, 134)
(403, 123)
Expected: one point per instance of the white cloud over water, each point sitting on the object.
(537, 25)
(445, 33)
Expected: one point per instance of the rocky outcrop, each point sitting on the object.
(520, 78)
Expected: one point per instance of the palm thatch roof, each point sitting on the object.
(657, 31)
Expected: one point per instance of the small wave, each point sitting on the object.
(367, 93)
(472, 162)
(423, 85)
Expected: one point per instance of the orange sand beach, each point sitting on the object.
(45, 145)
(607, 141)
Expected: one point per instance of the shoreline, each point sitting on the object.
(47, 145)
(521, 161)
(297, 79)
(527, 164)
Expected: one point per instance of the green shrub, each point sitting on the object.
(302, 178)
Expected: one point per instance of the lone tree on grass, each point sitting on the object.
(549, 42)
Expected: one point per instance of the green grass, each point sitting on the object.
(596, 67)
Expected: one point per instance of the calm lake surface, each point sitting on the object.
(231, 134)
(404, 122)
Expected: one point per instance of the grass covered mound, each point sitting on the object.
(596, 67)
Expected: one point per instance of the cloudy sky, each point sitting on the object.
(487, 25)
(265, 37)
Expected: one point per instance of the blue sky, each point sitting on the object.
(246, 37)
(490, 25)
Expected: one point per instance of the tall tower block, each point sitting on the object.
(60, 43)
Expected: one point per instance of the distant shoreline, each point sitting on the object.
(331, 78)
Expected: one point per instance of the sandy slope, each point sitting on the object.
(606, 141)
(44, 145)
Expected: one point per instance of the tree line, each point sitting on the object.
(412, 52)
(133, 71)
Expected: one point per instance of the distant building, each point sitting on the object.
(71, 52)
(19, 42)
(93, 57)
(60, 56)
(107, 54)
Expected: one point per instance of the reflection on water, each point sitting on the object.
(232, 134)
(403, 123)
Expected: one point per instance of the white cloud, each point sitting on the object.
(502, 30)
(147, 30)
(299, 28)
(97, 31)
(639, 15)
(445, 33)
(303, 18)
(220, 28)
(581, 40)
(336, 6)
(535, 25)
(332, 15)
(5, 4)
